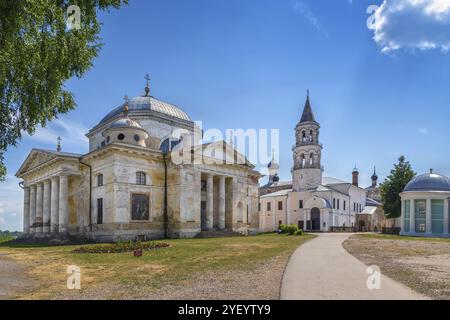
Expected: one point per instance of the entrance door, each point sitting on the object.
(203, 216)
(315, 219)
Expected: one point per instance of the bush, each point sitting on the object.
(299, 232)
(292, 229)
(120, 247)
(283, 228)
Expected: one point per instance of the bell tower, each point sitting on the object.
(307, 171)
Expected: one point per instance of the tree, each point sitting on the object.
(395, 184)
(39, 52)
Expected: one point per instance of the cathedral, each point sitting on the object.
(311, 201)
(129, 187)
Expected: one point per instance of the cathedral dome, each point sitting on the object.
(145, 104)
(429, 182)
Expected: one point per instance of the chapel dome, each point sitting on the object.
(125, 123)
(147, 104)
(429, 182)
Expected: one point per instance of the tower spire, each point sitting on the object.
(307, 115)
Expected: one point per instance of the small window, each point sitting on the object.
(269, 206)
(345, 205)
(108, 139)
(141, 178)
(136, 138)
(99, 180)
(121, 136)
(100, 211)
(280, 205)
(259, 207)
(338, 203)
(334, 203)
(300, 204)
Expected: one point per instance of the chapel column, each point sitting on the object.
(221, 203)
(33, 209)
(412, 216)
(26, 210)
(46, 207)
(39, 207)
(63, 203)
(428, 217)
(446, 217)
(54, 206)
(209, 202)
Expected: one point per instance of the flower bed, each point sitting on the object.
(120, 247)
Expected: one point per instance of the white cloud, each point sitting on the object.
(70, 132)
(301, 8)
(413, 24)
(423, 130)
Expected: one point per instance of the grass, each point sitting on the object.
(156, 268)
(407, 238)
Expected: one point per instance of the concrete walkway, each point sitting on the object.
(322, 269)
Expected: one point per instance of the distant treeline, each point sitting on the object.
(8, 235)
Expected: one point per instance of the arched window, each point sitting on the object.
(141, 178)
(100, 180)
(303, 136)
(311, 159)
(303, 160)
(311, 134)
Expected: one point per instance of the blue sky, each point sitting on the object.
(377, 93)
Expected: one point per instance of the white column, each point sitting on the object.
(33, 209)
(46, 207)
(39, 207)
(428, 217)
(26, 210)
(63, 204)
(209, 202)
(412, 216)
(221, 203)
(446, 217)
(54, 207)
(402, 215)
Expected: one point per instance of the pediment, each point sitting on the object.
(37, 158)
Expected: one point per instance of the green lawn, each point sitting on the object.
(171, 265)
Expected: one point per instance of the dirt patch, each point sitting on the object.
(423, 266)
(259, 283)
(12, 278)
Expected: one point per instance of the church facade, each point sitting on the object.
(311, 201)
(128, 185)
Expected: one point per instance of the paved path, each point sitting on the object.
(322, 269)
(12, 278)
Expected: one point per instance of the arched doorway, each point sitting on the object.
(315, 219)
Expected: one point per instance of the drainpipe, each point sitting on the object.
(90, 193)
(166, 215)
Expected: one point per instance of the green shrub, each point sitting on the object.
(299, 232)
(292, 229)
(283, 228)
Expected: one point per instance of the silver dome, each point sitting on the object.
(125, 123)
(429, 182)
(148, 103)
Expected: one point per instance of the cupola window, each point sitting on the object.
(121, 136)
